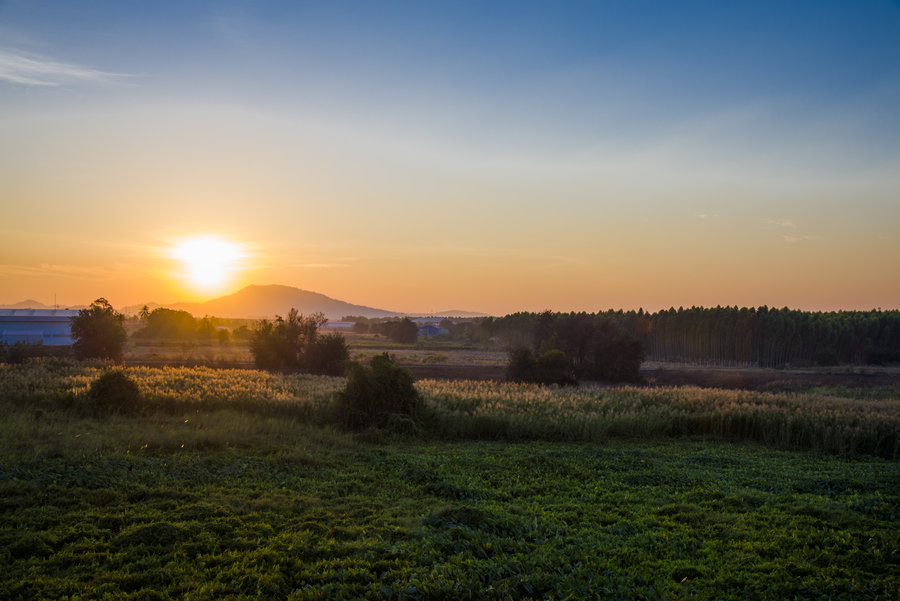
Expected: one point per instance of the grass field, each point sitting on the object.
(232, 485)
(841, 421)
(236, 353)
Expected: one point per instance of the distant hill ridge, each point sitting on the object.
(33, 304)
(257, 301)
(264, 301)
(28, 304)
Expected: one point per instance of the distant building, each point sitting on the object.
(50, 327)
(339, 326)
(426, 321)
(430, 330)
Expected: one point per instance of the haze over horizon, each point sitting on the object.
(495, 157)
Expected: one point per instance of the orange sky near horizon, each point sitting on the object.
(497, 159)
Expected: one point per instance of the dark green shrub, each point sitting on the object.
(522, 366)
(283, 344)
(20, 352)
(612, 354)
(552, 367)
(17, 353)
(374, 394)
(114, 392)
(328, 355)
(403, 331)
(169, 324)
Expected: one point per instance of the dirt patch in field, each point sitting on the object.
(766, 380)
(457, 372)
(769, 380)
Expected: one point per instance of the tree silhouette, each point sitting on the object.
(291, 344)
(98, 332)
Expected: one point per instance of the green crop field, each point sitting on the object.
(233, 485)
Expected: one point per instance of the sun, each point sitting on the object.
(207, 261)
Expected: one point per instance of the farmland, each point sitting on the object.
(233, 484)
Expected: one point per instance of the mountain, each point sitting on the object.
(33, 304)
(272, 300)
(28, 304)
(454, 313)
(136, 309)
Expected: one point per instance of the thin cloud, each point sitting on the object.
(66, 271)
(32, 70)
(273, 265)
(795, 239)
(790, 238)
(323, 265)
(782, 224)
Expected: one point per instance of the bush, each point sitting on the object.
(522, 366)
(20, 352)
(168, 324)
(328, 355)
(552, 367)
(17, 353)
(563, 348)
(376, 394)
(613, 355)
(282, 345)
(114, 392)
(401, 331)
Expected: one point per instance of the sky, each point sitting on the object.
(429, 156)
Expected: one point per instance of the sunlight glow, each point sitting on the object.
(207, 261)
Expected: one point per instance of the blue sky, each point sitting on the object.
(572, 155)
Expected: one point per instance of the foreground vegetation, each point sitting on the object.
(828, 420)
(230, 484)
(316, 515)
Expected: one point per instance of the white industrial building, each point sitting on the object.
(50, 327)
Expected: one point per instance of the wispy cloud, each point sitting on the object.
(66, 271)
(794, 239)
(33, 70)
(782, 224)
(794, 236)
(322, 265)
(262, 266)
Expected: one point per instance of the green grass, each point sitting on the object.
(232, 485)
(817, 421)
(342, 519)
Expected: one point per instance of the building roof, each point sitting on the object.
(36, 326)
(37, 314)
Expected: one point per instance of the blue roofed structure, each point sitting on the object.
(430, 330)
(50, 327)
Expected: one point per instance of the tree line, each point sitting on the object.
(720, 336)
(560, 348)
(765, 337)
(604, 345)
(172, 324)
